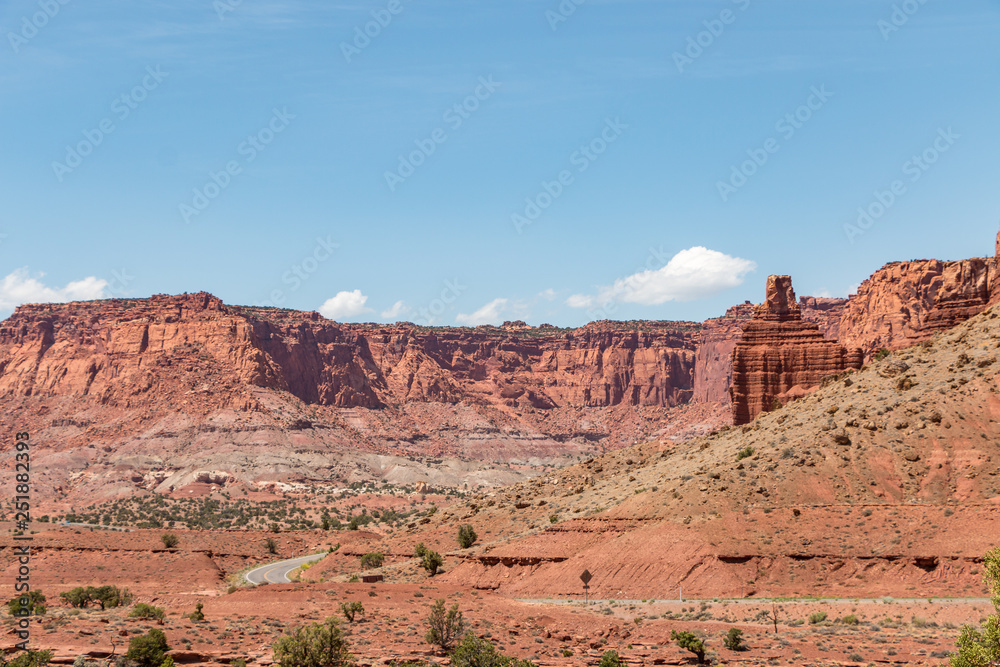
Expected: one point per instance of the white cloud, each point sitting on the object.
(695, 273)
(397, 310)
(548, 294)
(488, 314)
(345, 305)
(19, 287)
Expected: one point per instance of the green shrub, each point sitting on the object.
(689, 642)
(147, 611)
(105, 596)
(850, 619)
(475, 652)
(316, 645)
(148, 650)
(420, 550)
(373, 559)
(351, 610)
(31, 603)
(238, 662)
(169, 540)
(818, 617)
(432, 562)
(197, 614)
(271, 545)
(31, 659)
(444, 627)
(734, 640)
(882, 354)
(611, 659)
(466, 536)
(354, 579)
(744, 453)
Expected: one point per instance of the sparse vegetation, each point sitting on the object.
(431, 561)
(882, 354)
(611, 658)
(444, 627)
(981, 648)
(818, 617)
(147, 611)
(689, 642)
(29, 659)
(372, 560)
(169, 540)
(30, 603)
(744, 453)
(351, 610)
(466, 536)
(148, 650)
(104, 596)
(734, 640)
(317, 645)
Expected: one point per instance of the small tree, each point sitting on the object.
(317, 645)
(982, 648)
(351, 609)
(31, 603)
(444, 627)
(466, 536)
(373, 559)
(197, 614)
(30, 659)
(475, 652)
(148, 650)
(272, 546)
(734, 640)
(78, 597)
(147, 611)
(110, 596)
(611, 659)
(687, 641)
(169, 540)
(432, 561)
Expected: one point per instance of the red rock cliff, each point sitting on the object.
(780, 356)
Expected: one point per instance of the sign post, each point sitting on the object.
(585, 578)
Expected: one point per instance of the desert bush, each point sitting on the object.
(147, 611)
(689, 642)
(611, 659)
(818, 617)
(238, 662)
(30, 659)
(31, 603)
(979, 648)
(351, 610)
(882, 354)
(271, 545)
(475, 652)
(169, 540)
(197, 614)
(148, 650)
(316, 645)
(373, 559)
(420, 550)
(744, 453)
(850, 619)
(734, 640)
(444, 627)
(432, 562)
(111, 596)
(466, 536)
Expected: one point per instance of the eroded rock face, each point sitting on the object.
(779, 356)
(904, 303)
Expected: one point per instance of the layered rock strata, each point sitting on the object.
(779, 356)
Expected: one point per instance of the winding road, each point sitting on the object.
(277, 573)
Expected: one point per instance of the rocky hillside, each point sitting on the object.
(886, 481)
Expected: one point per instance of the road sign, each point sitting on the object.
(586, 577)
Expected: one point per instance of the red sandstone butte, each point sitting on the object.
(779, 356)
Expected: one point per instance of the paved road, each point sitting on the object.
(277, 573)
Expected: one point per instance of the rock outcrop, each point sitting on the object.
(779, 356)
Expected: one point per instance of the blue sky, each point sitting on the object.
(467, 162)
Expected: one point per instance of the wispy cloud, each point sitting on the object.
(345, 305)
(19, 287)
(488, 314)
